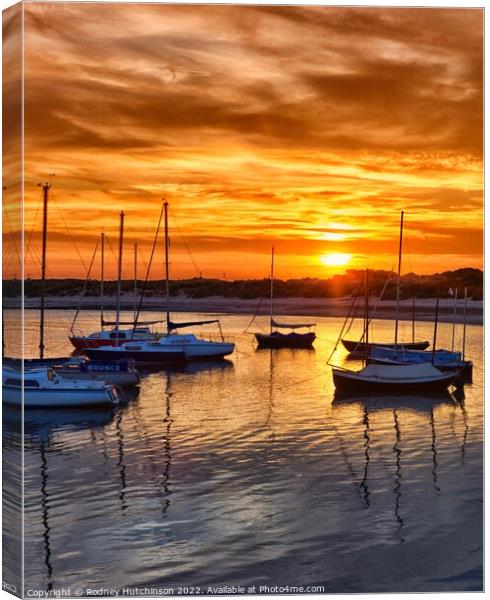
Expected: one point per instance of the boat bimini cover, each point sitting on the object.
(291, 325)
(414, 371)
(173, 326)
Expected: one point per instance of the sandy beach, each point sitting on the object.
(308, 307)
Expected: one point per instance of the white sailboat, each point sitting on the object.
(116, 335)
(44, 388)
(195, 348)
(411, 378)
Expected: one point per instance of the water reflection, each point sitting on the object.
(253, 470)
(397, 489)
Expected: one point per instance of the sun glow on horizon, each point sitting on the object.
(335, 259)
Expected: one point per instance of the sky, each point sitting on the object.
(309, 128)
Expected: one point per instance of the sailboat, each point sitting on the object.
(374, 378)
(45, 388)
(34, 383)
(171, 346)
(277, 339)
(444, 360)
(359, 348)
(115, 335)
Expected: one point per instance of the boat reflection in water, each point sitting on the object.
(38, 433)
(392, 411)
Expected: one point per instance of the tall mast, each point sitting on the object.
(399, 280)
(436, 319)
(102, 248)
(45, 187)
(135, 289)
(464, 322)
(167, 282)
(366, 317)
(119, 274)
(454, 317)
(413, 319)
(272, 287)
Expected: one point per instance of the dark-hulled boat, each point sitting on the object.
(277, 339)
(359, 348)
(393, 379)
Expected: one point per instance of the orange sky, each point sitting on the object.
(309, 127)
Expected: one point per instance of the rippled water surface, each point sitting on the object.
(248, 472)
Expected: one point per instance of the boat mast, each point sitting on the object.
(397, 305)
(102, 244)
(119, 275)
(167, 282)
(366, 317)
(436, 319)
(454, 318)
(272, 288)
(413, 319)
(45, 187)
(464, 323)
(135, 289)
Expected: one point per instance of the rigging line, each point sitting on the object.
(354, 315)
(35, 221)
(11, 230)
(82, 294)
(108, 241)
(283, 387)
(69, 231)
(351, 308)
(36, 259)
(198, 271)
(143, 291)
(378, 300)
(254, 316)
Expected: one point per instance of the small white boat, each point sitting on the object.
(44, 388)
(196, 348)
(393, 378)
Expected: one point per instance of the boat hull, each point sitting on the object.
(352, 383)
(359, 348)
(59, 398)
(149, 358)
(464, 368)
(198, 351)
(123, 378)
(281, 340)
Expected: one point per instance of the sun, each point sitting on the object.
(335, 259)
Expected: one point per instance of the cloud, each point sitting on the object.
(259, 121)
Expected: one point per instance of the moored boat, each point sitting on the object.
(421, 378)
(143, 353)
(363, 347)
(44, 388)
(111, 337)
(116, 372)
(360, 348)
(277, 339)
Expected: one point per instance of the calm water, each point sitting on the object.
(248, 473)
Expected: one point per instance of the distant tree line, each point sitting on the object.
(350, 283)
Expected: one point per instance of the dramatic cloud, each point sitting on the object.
(310, 127)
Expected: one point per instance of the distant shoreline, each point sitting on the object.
(301, 307)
